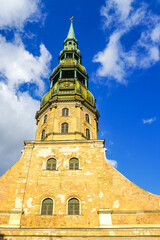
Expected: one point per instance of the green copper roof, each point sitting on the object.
(68, 89)
(71, 34)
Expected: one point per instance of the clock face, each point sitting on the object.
(67, 85)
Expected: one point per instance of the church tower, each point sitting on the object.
(68, 110)
(63, 187)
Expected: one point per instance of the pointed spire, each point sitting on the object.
(71, 34)
(71, 39)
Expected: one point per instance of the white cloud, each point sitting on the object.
(21, 66)
(22, 75)
(17, 124)
(155, 35)
(15, 13)
(113, 163)
(122, 18)
(122, 10)
(124, 7)
(149, 121)
(154, 54)
(110, 59)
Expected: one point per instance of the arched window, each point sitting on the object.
(73, 206)
(45, 119)
(87, 118)
(43, 134)
(88, 134)
(51, 164)
(64, 128)
(47, 206)
(65, 112)
(73, 164)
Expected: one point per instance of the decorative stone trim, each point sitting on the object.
(95, 141)
(108, 211)
(78, 100)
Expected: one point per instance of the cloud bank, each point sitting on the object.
(133, 40)
(15, 13)
(16, 124)
(22, 75)
(22, 66)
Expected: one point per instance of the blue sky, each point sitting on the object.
(119, 42)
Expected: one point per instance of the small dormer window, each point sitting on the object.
(70, 42)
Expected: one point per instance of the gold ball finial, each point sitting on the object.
(71, 19)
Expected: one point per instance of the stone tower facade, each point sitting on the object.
(62, 187)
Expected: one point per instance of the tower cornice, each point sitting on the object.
(52, 103)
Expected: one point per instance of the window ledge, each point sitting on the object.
(80, 215)
(46, 215)
(53, 215)
(50, 170)
(74, 169)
